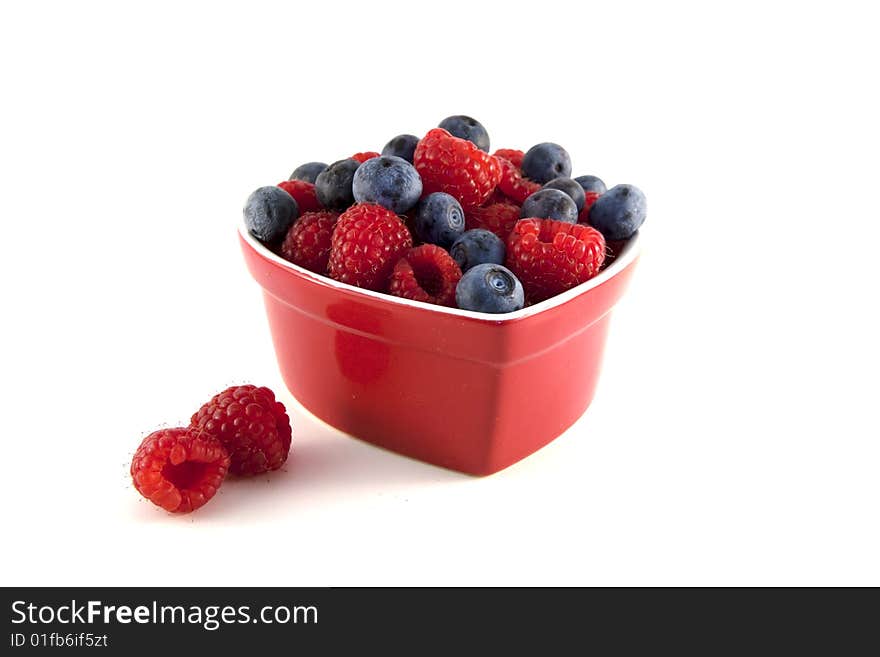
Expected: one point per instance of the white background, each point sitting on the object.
(734, 436)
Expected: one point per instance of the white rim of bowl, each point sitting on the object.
(629, 253)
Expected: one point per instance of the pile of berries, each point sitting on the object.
(440, 220)
(242, 430)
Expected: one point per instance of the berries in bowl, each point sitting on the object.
(450, 308)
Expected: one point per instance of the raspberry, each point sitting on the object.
(303, 193)
(498, 218)
(497, 196)
(455, 166)
(307, 243)
(584, 215)
(426, 273)
(179, 470)
(512, 155)
(551, 256)
(367, 241)
(250, 424)
(363, 157)
(513, 184)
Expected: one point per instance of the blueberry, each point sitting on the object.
(333, 184)
(619, 212)
(269, 212)
(477, 247)
(489, 288)
(464, 127)
(544, 162)
(308, 171)
(550, 204)
(402, 146)
(591, 184)
(439, 220)
(390, 181)
(570, 187)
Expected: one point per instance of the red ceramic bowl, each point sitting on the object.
(470, 391)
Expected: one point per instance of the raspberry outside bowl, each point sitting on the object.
(469, 391)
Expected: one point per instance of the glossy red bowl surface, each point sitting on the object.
(469, 391)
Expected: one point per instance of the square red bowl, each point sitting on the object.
(473, 392)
